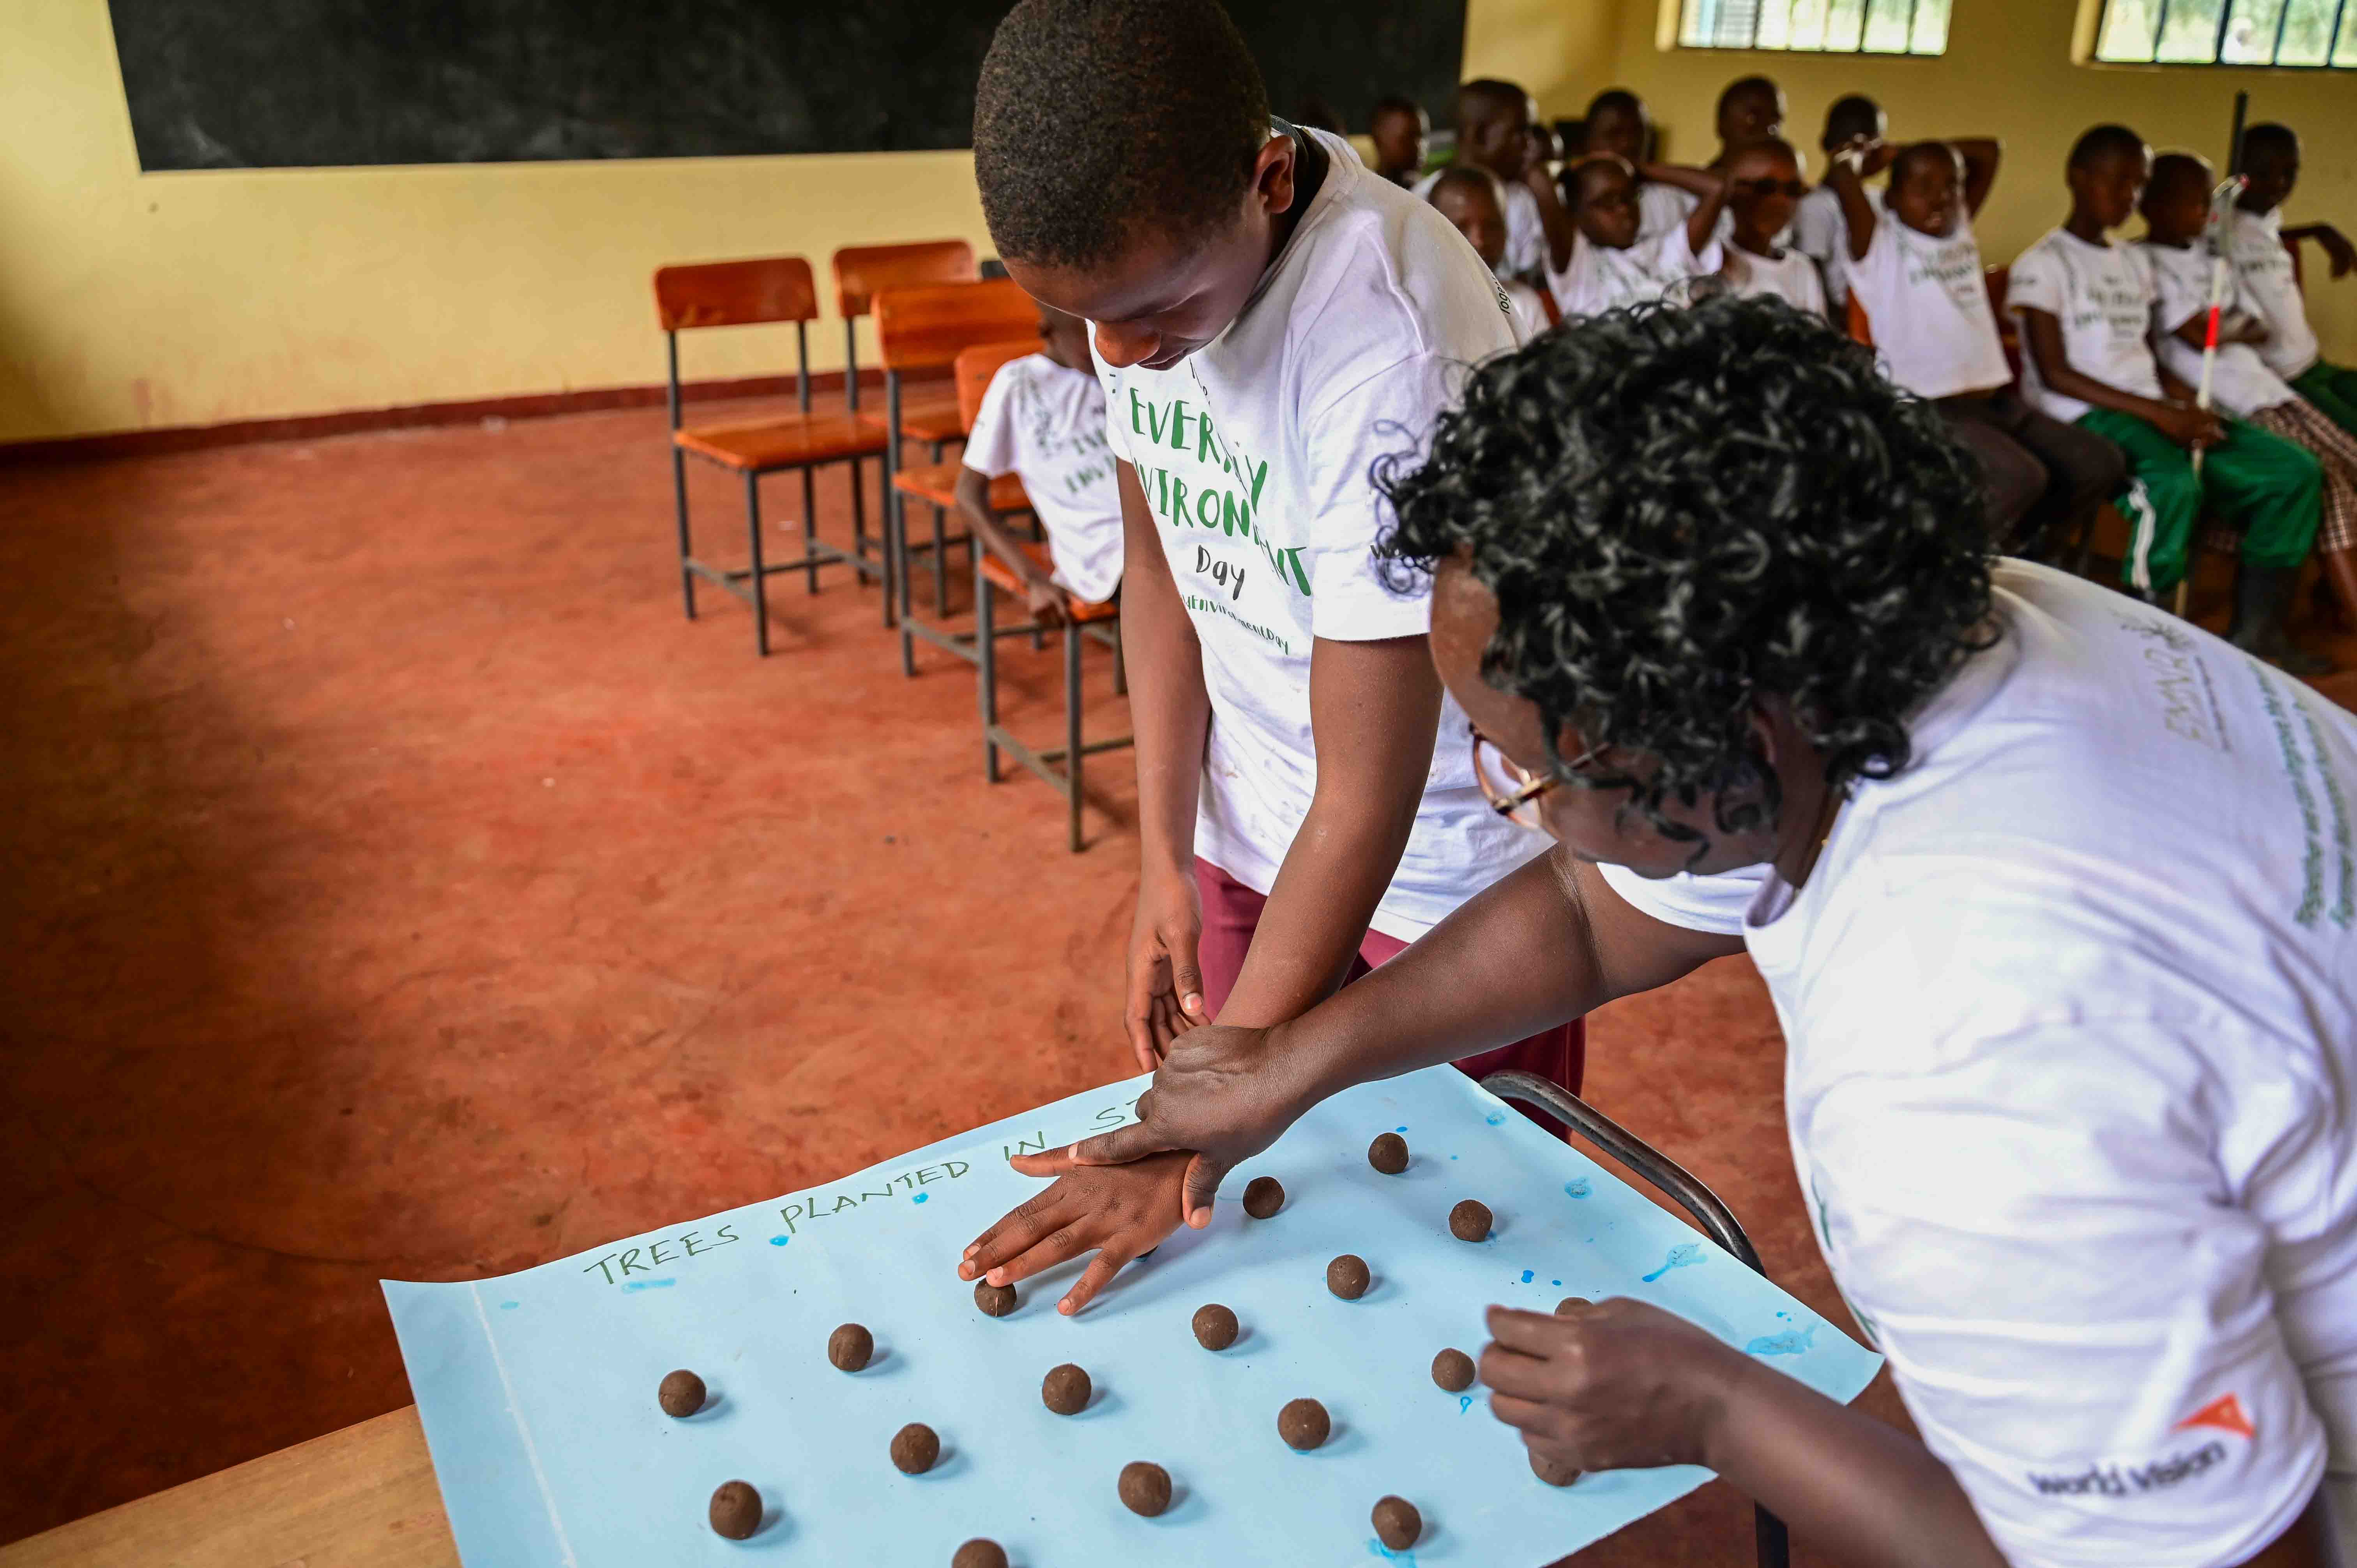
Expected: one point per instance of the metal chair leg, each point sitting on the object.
(940, 563)
(986, 644)
(898, 522)
(810, 525)
(1073, 727)
(1714, 1218)
(761, 577)
(679, 503)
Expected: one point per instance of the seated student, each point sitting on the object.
(1475, 202)
(1399, 130)
(1043, 419)
(1619, 123)
(2255, 242)
(1610, 266)
(1914, 269)
(1818, 231)
(2068, 980)
(1763, 186)
(1493, 126)
(2176, 213)
(1750, 109)
(2085, 308)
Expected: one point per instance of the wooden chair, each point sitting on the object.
(862, 272)
(1081, 620)
(924, 330)
(744, 294)
(1861, 331)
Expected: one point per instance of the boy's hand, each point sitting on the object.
(1045, 601)
(2336, 246)
(1120, 1212)
(1165, 981)
(2190, 427)
(1618, 1386)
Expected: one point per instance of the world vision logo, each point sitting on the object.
(2181, 1464)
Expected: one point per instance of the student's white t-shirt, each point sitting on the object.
(1821, 233)
(1600, 278)
(2070, 1007)
(1253, 454)
(1044, 423)
(2239, 382)
(1661, 207)
(2255, 241)
(1526, 244)
(1792, 277)
(2101, 295)
(1926, 301)
(1529, 309)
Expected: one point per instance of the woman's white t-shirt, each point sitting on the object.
(2101, 295)
(1601, 278)
(1044, 423)
(1926, 302)
(1255, 454)
(2255, 242)
(1791, 277)
(2239, 382)
(2070, 1010)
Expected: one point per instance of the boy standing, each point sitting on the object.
(1043, 419)
(1475, 205)
(2256, 241)
(1399, 131)
(2085, 306)
(1619, 125)
(1493, 132)
(1271, 320)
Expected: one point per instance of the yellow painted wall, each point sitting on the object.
(2008, 72)
(131, 300)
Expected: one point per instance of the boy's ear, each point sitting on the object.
(1273, 173)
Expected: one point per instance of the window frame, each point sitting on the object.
(2344, 15)
(1670, 33)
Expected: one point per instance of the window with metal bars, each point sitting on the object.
(1819, 26)
(2314, 35)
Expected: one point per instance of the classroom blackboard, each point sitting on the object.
(310, 83)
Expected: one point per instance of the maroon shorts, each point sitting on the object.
(1232, 913)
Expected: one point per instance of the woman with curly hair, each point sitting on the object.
(2055, 898)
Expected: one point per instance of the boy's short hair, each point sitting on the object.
(1095, 120)
(1850, 118)
(2170, 169)
(1618, 98)
(1765, 145)
(1486, 98)
(2269, 137)
(1467, 176)
(1913, 153)
(1396, 105)
(1742, 85)
(2104, 142)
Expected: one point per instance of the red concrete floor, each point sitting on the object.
(396, 884)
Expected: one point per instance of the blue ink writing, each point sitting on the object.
(1684, 1255)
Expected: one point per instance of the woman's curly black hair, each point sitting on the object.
(1684, 511)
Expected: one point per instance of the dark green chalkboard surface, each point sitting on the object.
(304, 83)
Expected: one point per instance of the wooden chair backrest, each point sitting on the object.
(973, 368)
(1860, 329)
(926, 328)
(861, 272)
(735, 293)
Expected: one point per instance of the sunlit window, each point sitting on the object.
(1818, 26)
(2312, 33)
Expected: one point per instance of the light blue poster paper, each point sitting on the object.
(537, 1388)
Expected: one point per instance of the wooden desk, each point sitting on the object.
(362, 1497)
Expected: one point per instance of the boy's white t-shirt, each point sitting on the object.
(1662, 207)
(1044, 423)
(2069, 1008)
(1529, 310)
(1600, 278)
(2255, 242)
(1926, 301)
(2101, 295)
(1254, 454)
(1526, 243)
(1792, 277)
(1820, 231)
(2239, 382)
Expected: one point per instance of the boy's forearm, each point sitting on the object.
(1857, 213)
(1554, 217)
(1169, 707)
(1981, 155)
(973, 505)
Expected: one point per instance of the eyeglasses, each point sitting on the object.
(1766, 187)
(1512, 790)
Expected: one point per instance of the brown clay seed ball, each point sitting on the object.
(1388, 1153)
(1145, 1488)
(736, 1510)
(1551, 1470)
(681, 1394)
(1469, 1221)
(1215, 1326)
(850, 1348)
(995, 1299)
(1398, 1523)
(1571, 1305)
(1066, 1390)
(1346, 1276)
(1453, 1371)
(1303, 1425)
(914, 1448)
(1264, 1196)
(980, 1553)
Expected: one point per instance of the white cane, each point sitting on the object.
(2213, 234)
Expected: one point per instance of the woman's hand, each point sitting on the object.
(1120, 1212)
(1224, 1092)
(1165, 981)
(1616, 1385)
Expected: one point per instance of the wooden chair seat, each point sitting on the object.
(788, 441)
(933, 421)
(1082, 611)
(937, 483)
